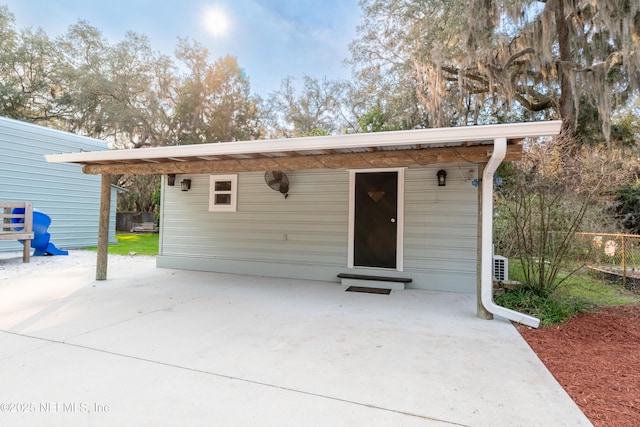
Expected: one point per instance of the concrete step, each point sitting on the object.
(379, 282)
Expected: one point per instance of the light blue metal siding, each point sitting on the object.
(311, 224)
(306, 235)
(62, 191)
(441, 223)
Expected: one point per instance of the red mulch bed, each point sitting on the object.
(596, 358)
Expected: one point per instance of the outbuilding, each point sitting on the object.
(61, 191)
(410, 207)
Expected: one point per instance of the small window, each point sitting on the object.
(223, 193)
(223, 185)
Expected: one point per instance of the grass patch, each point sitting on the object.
(581, 292)
(598, 291)
(138, 244)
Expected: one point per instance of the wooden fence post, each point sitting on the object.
(28, 227)
(624, 264)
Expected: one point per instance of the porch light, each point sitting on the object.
(442, 178)
(185, 184)
(171, 179)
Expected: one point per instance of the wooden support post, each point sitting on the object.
(28, 227)
(482, 312)
(103, 227)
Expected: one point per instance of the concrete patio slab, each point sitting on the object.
(163, 347)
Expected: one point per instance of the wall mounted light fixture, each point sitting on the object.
(442, 178)
(185, 184)
(171, 179)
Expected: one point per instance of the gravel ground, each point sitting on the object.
(11, 264)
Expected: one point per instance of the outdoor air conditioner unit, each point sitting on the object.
(500, 268)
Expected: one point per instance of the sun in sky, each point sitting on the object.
(216, 21)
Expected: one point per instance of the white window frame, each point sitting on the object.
(233, 192)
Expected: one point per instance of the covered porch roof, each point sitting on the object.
(473, 144)
(485, 144)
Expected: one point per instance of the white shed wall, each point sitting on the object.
(305, 236)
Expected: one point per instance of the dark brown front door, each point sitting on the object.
(376, 219)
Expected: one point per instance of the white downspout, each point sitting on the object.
(486, 278)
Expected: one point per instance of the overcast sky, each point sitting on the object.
(272, 39)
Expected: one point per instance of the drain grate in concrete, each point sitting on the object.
(368, 290)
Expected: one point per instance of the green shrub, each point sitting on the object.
(549, 308)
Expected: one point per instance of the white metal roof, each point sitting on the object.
(319, 145)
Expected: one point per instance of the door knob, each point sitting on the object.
(393, 220)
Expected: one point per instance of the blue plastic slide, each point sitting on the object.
(40, 242)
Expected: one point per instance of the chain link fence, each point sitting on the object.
(615, 256)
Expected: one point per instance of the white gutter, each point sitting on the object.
(486, 274)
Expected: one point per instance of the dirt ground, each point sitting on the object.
(596, 358)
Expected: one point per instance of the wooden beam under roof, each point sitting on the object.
(376, 159)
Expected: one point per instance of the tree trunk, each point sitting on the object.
(567, 102)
